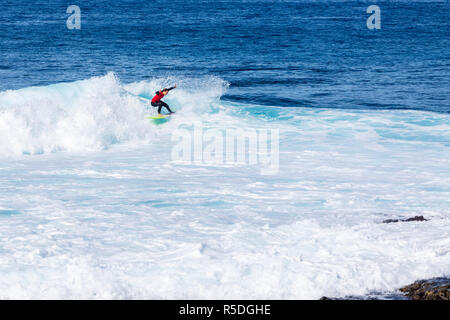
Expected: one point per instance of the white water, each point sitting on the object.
(91, 205)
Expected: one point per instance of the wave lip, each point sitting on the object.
(89, 115)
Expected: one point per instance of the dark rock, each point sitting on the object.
(391, 220)
(433, 289)
(326, 298)
(371, 296)
(416, 218)
(349, 298)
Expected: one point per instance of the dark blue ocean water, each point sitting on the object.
(284, 53)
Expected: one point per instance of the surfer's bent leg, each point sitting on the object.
(163, 104)
(158, 104)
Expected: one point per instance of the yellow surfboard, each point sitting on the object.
(159, 119)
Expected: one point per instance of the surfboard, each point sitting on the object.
(159, 119)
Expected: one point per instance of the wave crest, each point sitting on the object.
(91, 114)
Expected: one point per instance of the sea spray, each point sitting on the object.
(92, 114)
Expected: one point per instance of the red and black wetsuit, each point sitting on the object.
(156, 101)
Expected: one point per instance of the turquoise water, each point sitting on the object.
(95, 204)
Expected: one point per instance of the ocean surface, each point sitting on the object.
(95, 203)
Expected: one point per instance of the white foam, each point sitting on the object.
(91, 115)
(126, 222)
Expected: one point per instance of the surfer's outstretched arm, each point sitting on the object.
(168, 89)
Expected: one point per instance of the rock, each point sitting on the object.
(391, 221)
(433, 289)
(416, 218)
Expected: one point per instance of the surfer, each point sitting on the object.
(156, 101)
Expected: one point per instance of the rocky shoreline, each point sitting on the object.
(416, 218)
(431, 289)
